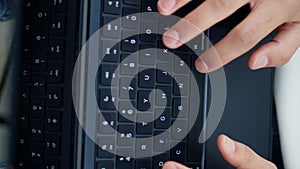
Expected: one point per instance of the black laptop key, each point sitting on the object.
(145, 125)
(106, 146)
(25, 73)
(143, 164)
(38, 84)
(112, 7)
(54, 96)
(149, 6)
(131, 18)
(161, 142)
(23, 142)
(127, 88)
(129, 65)
(37, 108)
(55, 72)
(132, 2)
(178, 153)
(41, 38)
(56, 48)
(52, 144)
(105, 164)
(39, 62)
(182, 81)
(143, 147)
(126, 111)
(149, 30)
(127, 132)
(36, 130)
(125, 161)
(110, 50)
(22, 162)
(58, 5)
(130, 43)
(52, 163)
(23, 117)
(24, 95)
(144, 101)
(106, 122)
(159, 160)
(163, 120)
(163, 95)
(36, 156)
(147, 55)
(111, 27)
(179, 129)
(107, 75)
(181, 63)
(53, 120)
(57, 24)
(164, 53)
(163, 73)
(106, 100)
(180, 107)
(146, 78)
(42, 13)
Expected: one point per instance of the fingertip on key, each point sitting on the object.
(171, 39)
(166, 5)
(201, 66)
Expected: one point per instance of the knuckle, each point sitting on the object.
(247, 156)
(245, 36)
(284, 60)
(223, 4)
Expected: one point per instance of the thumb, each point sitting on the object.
(240, 155)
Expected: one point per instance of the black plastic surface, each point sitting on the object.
(248, 111)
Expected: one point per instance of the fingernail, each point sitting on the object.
(171, 38)
(166, 5)
(201, 66)
(229, 144)
(260, 62)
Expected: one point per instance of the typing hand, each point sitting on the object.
(237, 154)
(265, 16)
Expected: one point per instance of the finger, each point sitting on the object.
(240, 155)
(174, 165)
(242, 38)
(280, 50)
(206, 15)
(167, 7)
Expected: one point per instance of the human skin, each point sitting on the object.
(237, 154)
(265, 16)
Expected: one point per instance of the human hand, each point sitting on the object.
(265, 16)
(237, 154)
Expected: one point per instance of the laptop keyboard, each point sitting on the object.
(44, 112)
(133, 70)
(47, 122)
